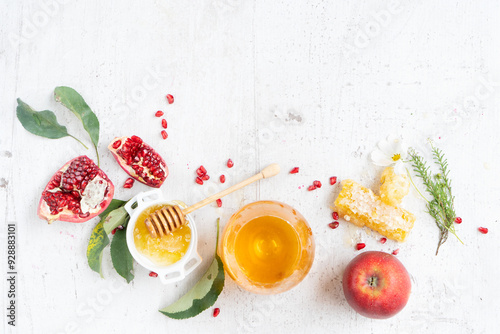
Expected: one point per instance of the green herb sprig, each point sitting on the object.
(441, 206)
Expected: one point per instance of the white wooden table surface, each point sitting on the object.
(314, 84)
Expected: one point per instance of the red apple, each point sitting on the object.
(376, 285)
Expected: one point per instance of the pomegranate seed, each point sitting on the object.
(395, 252)
(153, 274)
(383, 240)
(164, 134)
(199, 172)
(222, 179)
(114, 231)
(334, 225)
(159, 113)
(333, 180)
(117, 144)
(219, 202)
(295, 170)
(202, 169)
(360, 246)
(458, 220)
(170, 99)
(483, 230)
(335, 215)
(317, 184)
(310, 188)
(205, 177)
(164, 123)
(216, 311)
(199, 180)
(129, 183)
(230, 163)
(120, 227)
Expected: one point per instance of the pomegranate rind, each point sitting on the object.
(67, 215)
(129, 170)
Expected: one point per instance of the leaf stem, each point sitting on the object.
(81, 143)
(97, 153)
(414, 186)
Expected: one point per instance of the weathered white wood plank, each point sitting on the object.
(313, 84)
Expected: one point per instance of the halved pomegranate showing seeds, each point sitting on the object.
(78, 192)
(139, 160)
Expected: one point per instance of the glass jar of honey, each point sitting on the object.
(267, 247)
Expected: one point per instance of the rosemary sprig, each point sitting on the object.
(441, 207)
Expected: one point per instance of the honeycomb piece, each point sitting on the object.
(362, 207)
(394, 187)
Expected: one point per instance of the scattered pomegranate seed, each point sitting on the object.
(128, 183)
(170, 99)
(230, 163)
(219, 202)
(117, 144)
(395, 252)
(334, 225)
(202, 169)
(222, 179)
(120, 227)
(311, 188)
(216, 311)
(199, 180)
(199, 172)
(333, 180)
(164, 134)
(383, 240)
(164, 123)
(295, 170)
(458, 220)
(317, 184)
(114, 231)
(335, 215)
(205, 177)
(483, 230)
(159, 113)
(153, 274)
(360, 246)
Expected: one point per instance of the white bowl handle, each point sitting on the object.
(142, 199)
(187, 267)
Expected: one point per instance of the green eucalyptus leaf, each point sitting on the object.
(41, 123)
(203, 295)
(115, 218)
(123, 262)
(99, 238)
(113, 205)
(72, 100)
(98, 241)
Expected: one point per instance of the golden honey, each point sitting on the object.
(161, 251)
(267, 249)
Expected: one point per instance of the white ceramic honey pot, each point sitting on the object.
(167, 273)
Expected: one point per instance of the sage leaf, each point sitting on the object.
(98, 241)
(123, 262)
(203, 294)
(99, 238)
(72, 100)
(41, 123)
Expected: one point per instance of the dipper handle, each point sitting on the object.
(267, 172)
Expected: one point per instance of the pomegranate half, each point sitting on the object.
(139, 160)
(77, 192)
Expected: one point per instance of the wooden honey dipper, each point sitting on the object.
(171, 217)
